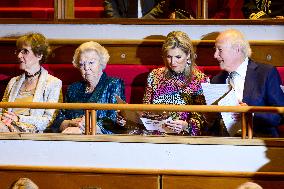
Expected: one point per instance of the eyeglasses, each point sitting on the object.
(23, 51)
(83, 64)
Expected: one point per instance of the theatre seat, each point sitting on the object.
(134, 76)
(44, 9)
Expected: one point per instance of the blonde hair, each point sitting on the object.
(91, 46)
(179, 39)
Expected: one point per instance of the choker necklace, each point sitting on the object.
(33, 75)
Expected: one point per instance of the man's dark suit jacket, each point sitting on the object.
(261, 88)
(184, 9)
(122, 9)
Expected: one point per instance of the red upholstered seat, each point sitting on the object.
(281, 72)
(134, 76)
(45, 9)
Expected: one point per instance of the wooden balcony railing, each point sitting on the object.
(90, 109)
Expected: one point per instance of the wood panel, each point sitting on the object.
(62, 180)
(87, 178)
(269, 54)
(197, 140)
(145, 52)
(220, 182)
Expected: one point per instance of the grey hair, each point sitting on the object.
(237, 39)
(91, 46)
(24, 183)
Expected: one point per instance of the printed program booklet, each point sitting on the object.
(223, 95)
(155, 121)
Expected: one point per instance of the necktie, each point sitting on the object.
(232, 77)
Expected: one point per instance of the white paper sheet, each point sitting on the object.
(222, 95)
(232, 124)
(213, 92)
(282, 87)
(151, 124)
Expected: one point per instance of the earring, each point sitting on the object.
(188, 62)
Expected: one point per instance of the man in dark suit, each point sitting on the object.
(255, 84)
(129, 9)
(181, 9)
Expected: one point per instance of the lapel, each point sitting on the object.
(40, 89)
(99, 90)
(250, 81)
(223, 77)
(146, 6)
(39, 92)
(16, 88)
(220, 78)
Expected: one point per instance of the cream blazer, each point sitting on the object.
(48, 89)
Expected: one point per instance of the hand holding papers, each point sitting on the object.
(232, 123)
(214, 92)
(152, 124)
(130, 116)
(222, 95)
(151, 121)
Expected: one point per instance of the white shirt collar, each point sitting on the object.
(242, 69)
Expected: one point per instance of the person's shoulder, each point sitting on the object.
(261, 65)
(262, 68)
(115, 80)
(76, 85)
(111, 81)
(13, 80)
(158, 71)
(220, 77)
(199, 75)
(54, 79)
(50, 78)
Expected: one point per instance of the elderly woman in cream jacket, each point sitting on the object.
(34, 85)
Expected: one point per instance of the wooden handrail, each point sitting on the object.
(143, 107)
(68, 169)
(91, 114)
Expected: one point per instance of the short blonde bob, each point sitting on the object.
(91, 46)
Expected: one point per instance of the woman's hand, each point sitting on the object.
(77, 122)
(120, 120)
(11, 116)
(243, 104)
(176, 126)
(8, 118)
(236, 115)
